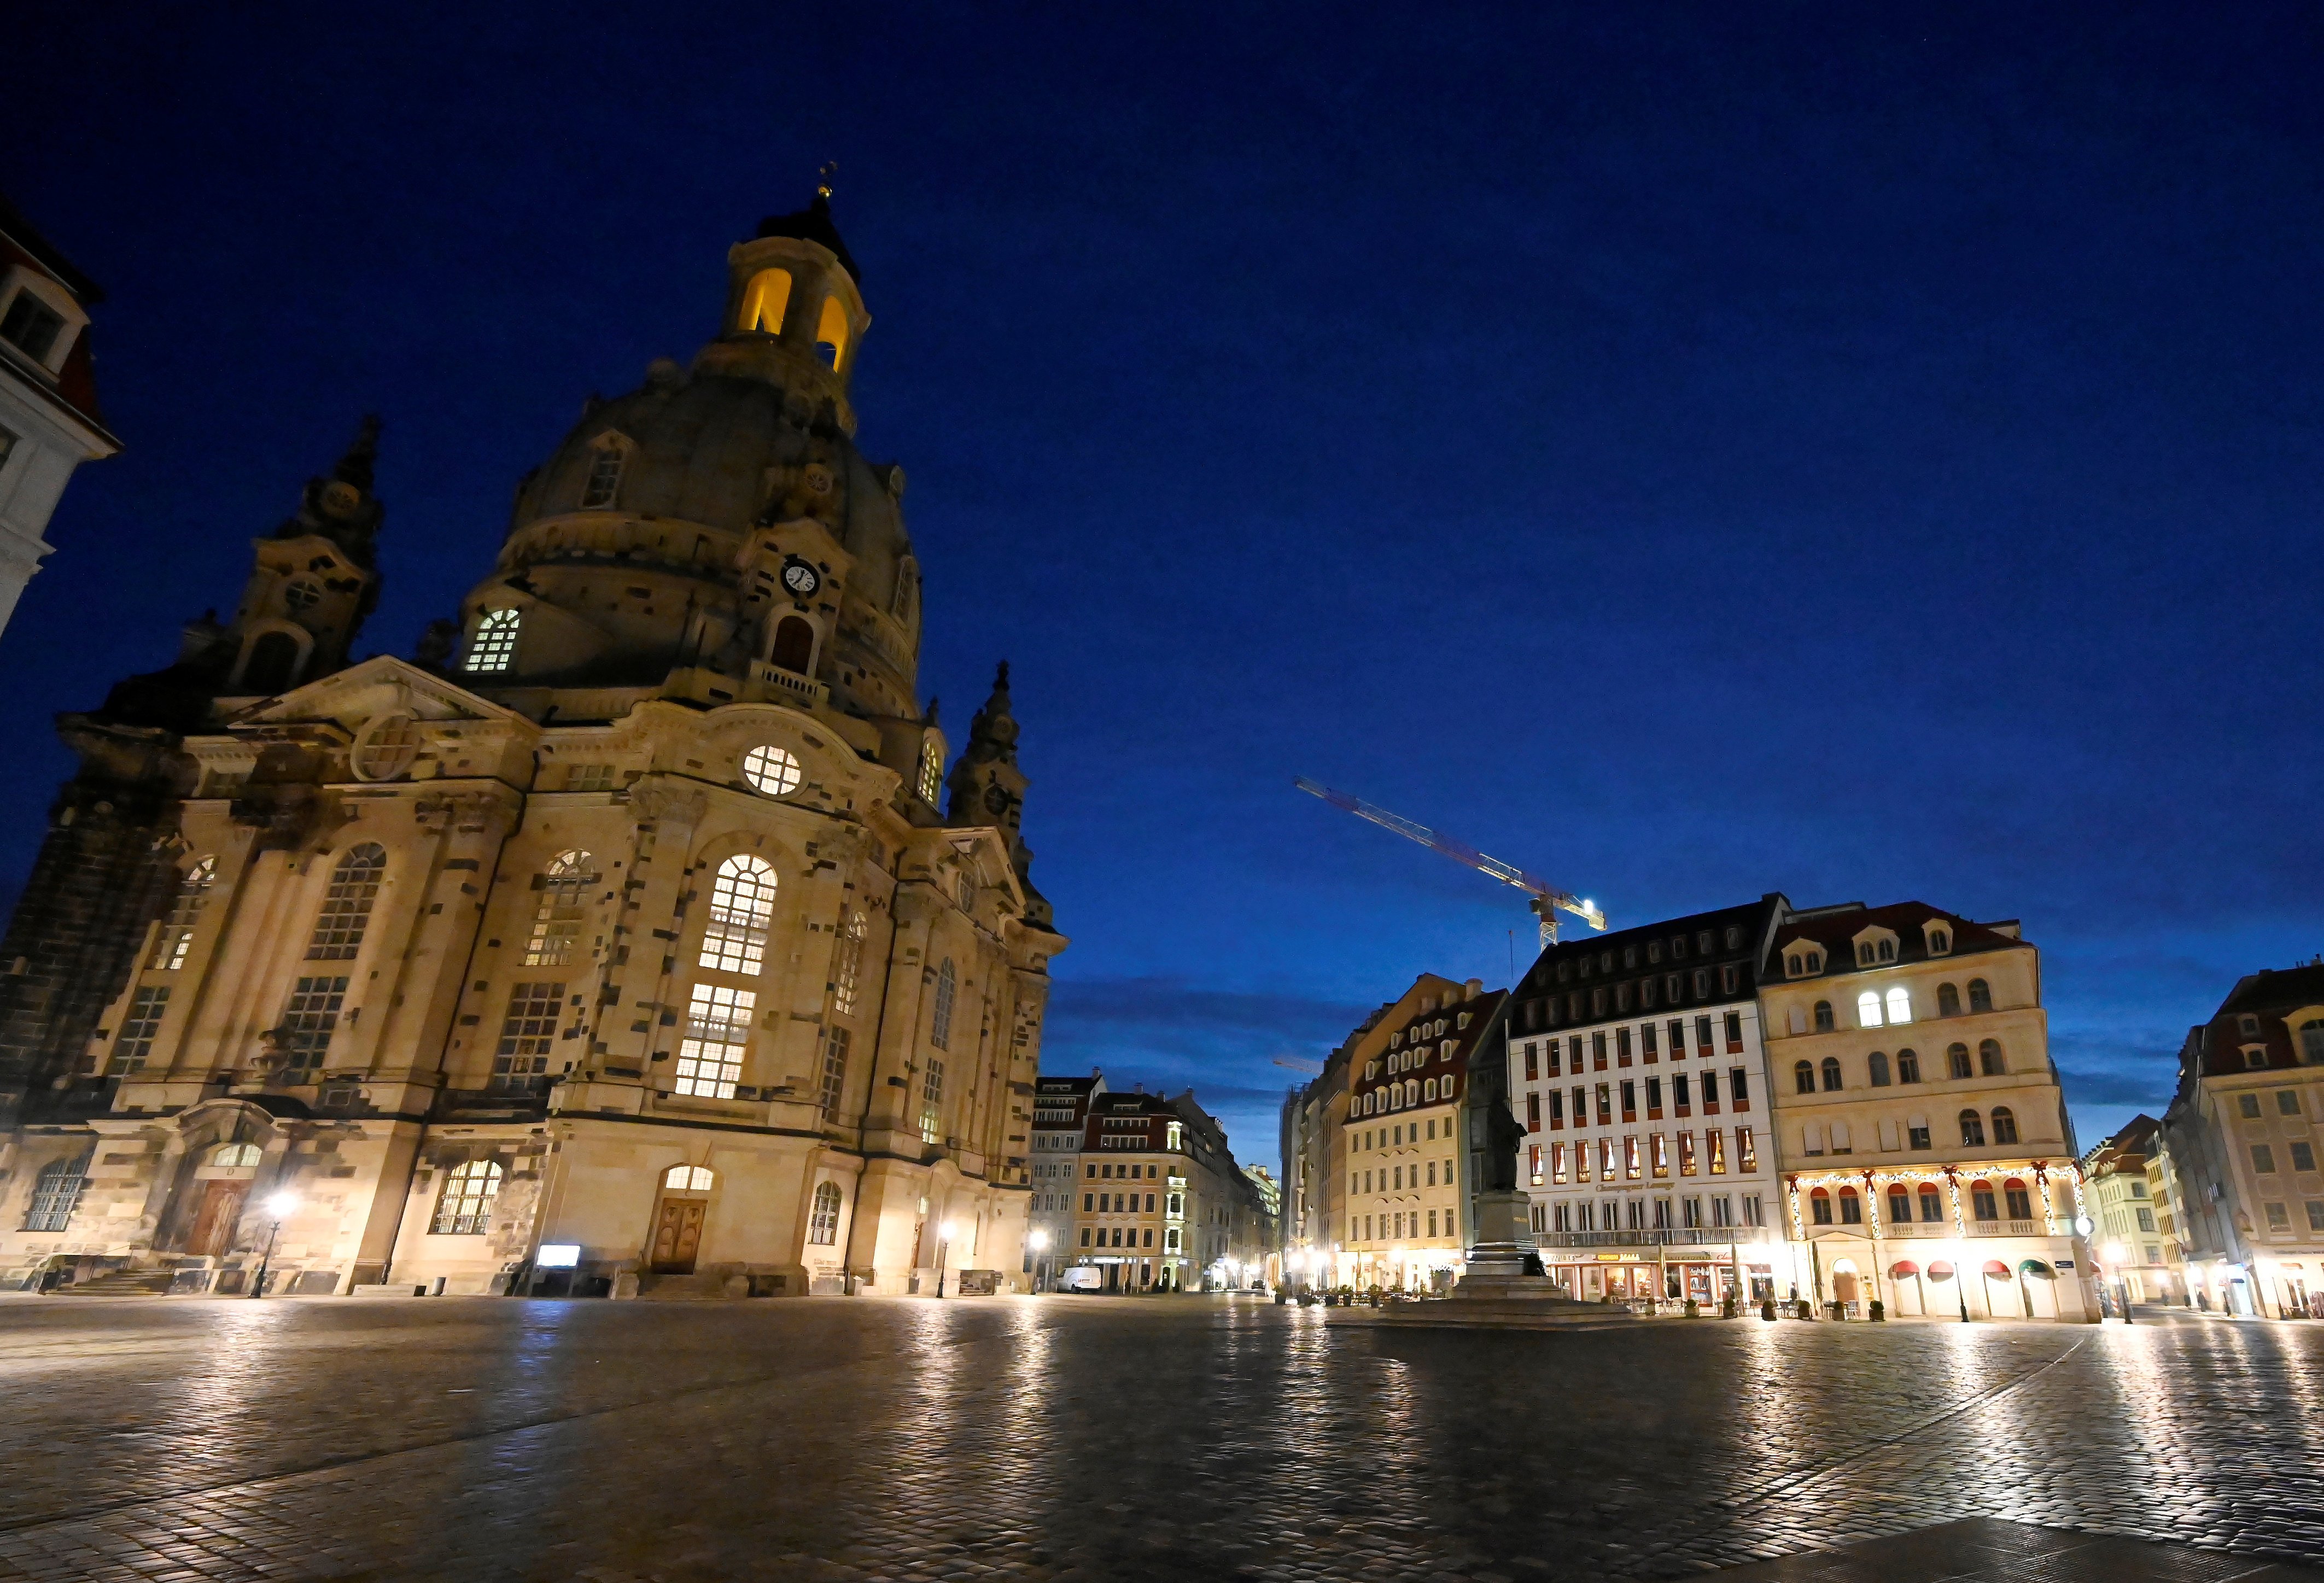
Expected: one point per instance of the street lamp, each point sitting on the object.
(1040, 1241)
(944, 1252)
(1961, 1277)
(2118, 1254)
(279, 1207)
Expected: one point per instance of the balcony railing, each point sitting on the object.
(1943, 1229)
(1661, 1236)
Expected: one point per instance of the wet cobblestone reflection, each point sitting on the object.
(1085, 1439)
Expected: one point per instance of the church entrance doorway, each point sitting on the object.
(215, 1221)
(678, 1236)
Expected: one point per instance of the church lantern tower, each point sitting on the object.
(988, 788)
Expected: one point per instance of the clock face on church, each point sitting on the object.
(801, 578)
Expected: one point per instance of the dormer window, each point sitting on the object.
(1940, 940)
(32, 327)
(604, 476)
(494, 648)
(1396, 1041)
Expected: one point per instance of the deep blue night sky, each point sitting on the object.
(1864, 452)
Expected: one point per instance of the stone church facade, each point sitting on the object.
(633, 936)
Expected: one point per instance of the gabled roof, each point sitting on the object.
(1835, 929)
(1481, 1013)
(2276, 990)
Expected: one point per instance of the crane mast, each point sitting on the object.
(1545, 900)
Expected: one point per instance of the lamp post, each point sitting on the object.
(279, 1207)
(1040, 1241)
(944, 1252)
(1960, 1277)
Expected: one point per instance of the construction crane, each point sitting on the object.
(1547, 900)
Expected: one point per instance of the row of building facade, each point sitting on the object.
(2219, 1205)
(1843, 1105)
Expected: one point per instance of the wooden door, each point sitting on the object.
(215, 1221)
(678, 1234)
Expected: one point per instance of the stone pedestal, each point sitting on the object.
(1496, 1292)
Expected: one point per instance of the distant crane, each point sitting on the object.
(1299, 1065)
(1547, 899)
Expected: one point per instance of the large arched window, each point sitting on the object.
(847, 964)
(1972, 1128)
(1980, 995)
(56, 1195)
(274, 663)
(1803, 1077)
(831, 333)
(1831, 1074)
(1851, 1207)
(794, 648)
(1868, 1009)
(346, 904)
(557, 926)
(1932, 1204)
(2004, 1127)
(176, 935)
(1908, 1066)
(1877, 1064)
(1900, 1004)
(1957, 1061)
(1982, 1203)
(1990, 1061)
(2020, 1202)
(1820, 1207)
(1948, 1001)
(717, 1033)
(823, 1222)
(940, 1025)
(494, 648)
(764, 299)
(742, 906)
(604, 484)
(1823, 1017)
(1900, 1205)
(466, 1208)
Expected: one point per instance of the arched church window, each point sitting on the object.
(604, 479)
(176, 937)
(931, 770)
(741, 904)
(823, 1223)
(831, 333)
(794, 645)
(565, 889)
(346, 904)
(717, 1035)
(848, 966)
(274, 663)
(236, 1155)
(688, 1179)
(908, 590)
(494, 648)
(764, 299)
(56, 1195)
(465, 1209)
(940, 1028)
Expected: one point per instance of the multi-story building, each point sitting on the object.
(1162, 1205)
(1637, 1069)
(1060, 1119)
(628, 933)
(1928, 1161)
(2118, 1194)
(1269, 1193)
(1316, 1138)
(1408, 1144)
(48, 420)
(2242, 1136)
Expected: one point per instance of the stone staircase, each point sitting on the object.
(120, 1283)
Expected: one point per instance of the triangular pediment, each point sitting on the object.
(381, 684)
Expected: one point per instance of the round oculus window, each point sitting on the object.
(386, 748)
(773, 771)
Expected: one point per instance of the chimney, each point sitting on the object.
(1138, 1087)
(1475, 987)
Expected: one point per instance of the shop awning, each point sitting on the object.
(1994, 1266)
(2037, 1269)
(1902, 1268)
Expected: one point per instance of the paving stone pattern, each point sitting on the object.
(1077, 1438)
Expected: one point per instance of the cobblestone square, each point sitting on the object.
(1084, 1438)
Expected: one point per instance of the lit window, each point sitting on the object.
(764, 299)
(564, 908)
(139, 1026)
(931, 772)
(932, 1104)
(940, 1027)
(1868, 1009)
(494, 648)
(823, 1221)
(742, 905)
(589, 778)
(604, 481)
(308, 1019)
(688, 1179)
(1900, 1004)
(527, 1030)
(848, 966)
(717, 1030)
(465, 1209)
(56, 1195)
(176, 937)
(346, 904)
(386, 748)
(773, 771)
(236, 1155)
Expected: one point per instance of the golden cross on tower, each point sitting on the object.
(823, 179)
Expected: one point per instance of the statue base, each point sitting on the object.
(1503, 1287)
